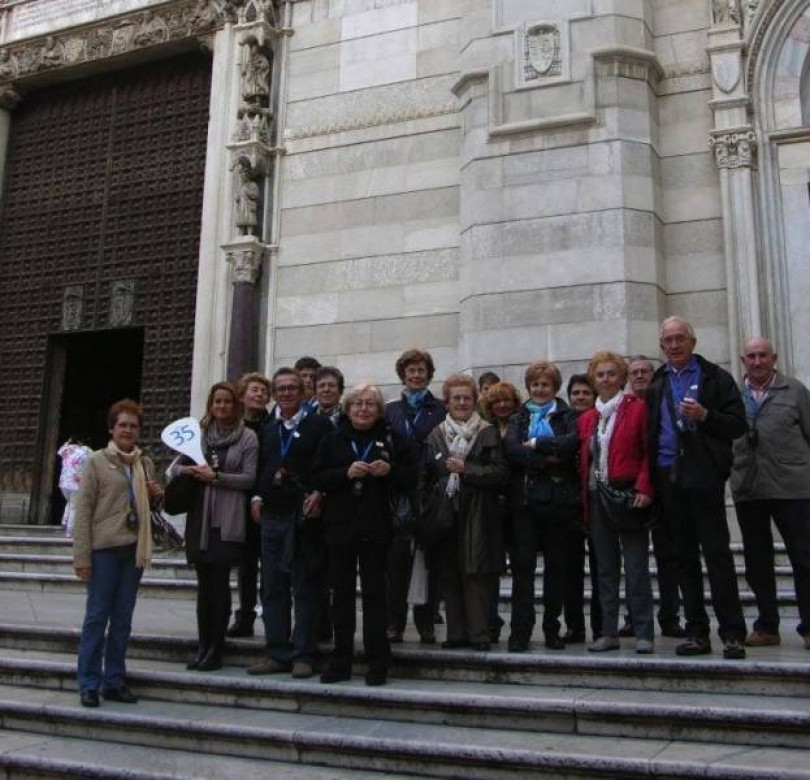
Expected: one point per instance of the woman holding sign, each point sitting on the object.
(112, 543)
(215, 523)
(356, 467)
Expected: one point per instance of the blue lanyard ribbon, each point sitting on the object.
(286, 438)
(366, 451)
(410, 425)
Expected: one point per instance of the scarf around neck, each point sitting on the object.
(143, 549)
(415, 398)
(220, 436)
(604, 429)
(539, 426)
(459, 437)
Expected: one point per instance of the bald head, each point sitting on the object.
(759, 360)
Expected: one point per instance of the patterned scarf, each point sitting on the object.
(460, 437)
(604, 429)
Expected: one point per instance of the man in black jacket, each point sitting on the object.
(695, 413)
(293, 551)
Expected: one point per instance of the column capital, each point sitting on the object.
(246, 257)
(734, 148)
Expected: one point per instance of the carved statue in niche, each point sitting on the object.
(726, 11)
(256, 76)
(247, 199)
(122, 36)
(51, 54)
(253, 125)
(543, 56)
(98, 43)
(8, 65)
(72, 308)
(151, 30)
(122, 303)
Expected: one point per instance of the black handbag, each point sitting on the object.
(180, 494)
(616, 507)
(403, 518)
(164, 535)
(436, 518)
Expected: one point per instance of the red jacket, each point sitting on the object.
(628, 456)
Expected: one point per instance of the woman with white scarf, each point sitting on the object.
(112, 544)
(462, 474)
(614, 451)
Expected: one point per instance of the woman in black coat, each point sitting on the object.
(356, 467)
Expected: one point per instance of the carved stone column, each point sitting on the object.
(735, 150)
(245, 256)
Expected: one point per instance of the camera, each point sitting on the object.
(132, 520)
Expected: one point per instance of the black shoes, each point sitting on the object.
(675, 631)
(335, 675)
(626, 630)
(481, 647)
(239, 629)
(733, 650)
(375, 677)
(455, 644)
(427, 638)
(394, 636)
(195, 662)
(571, 637)
(554, 642)
(122, 694)
(89, 698)
(210, 662)
(694, 646)
(517, 644)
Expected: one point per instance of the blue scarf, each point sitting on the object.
(415, 398)
(539, 426)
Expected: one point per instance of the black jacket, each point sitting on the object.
(363, 517)
(410, 426)
(298, 462)
(555, 459)
(704, 455)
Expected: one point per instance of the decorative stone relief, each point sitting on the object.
(734, 149)
(255, 75)
(245, 11)
(542, 52)
(254, 125)
(726, 12)
(106, 39)
(122, 303)
(246, 197)
(72, 307)
(726, 71)
(246, 261)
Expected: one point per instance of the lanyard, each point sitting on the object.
(366, 451)
(410, 425)
(131, 487)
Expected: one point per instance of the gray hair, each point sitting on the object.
(641, 359)
(676, 320)
(357, 391)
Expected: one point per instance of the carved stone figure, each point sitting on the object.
(98, 44)
(247, 199)
(122, 303)
(51, 55)
(8, 65)
(200, 16)
(726, 11)
(253, 125)
(256, 76)
(150, 31)
(542, 52)
(72, 308)
(122, 36)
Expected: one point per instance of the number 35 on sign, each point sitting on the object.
(184, 436)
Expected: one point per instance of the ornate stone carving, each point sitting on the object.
(246, 197)
(246, 261)
(72, 307)
(254, 125)
(726, 70)
(734, 149)
(255, 75)
(97, 41)
(542, 52)
(726, 12)
(122, 303)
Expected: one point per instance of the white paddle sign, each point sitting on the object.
(184, 436)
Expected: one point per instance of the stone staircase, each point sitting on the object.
(444, 713)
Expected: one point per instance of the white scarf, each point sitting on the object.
(604, 429)
(460, 437)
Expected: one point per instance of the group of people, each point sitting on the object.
(430, 500)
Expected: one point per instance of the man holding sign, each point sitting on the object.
(293, 551)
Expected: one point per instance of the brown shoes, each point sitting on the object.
(759, 638)
(302, 670)
(268, 666)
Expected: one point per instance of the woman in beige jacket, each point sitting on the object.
(112, 543)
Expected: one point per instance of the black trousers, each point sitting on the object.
(400, 560)
(667, 565)
(696, 522)
(530, 531)
(213, 604)
(574, 609)
(343, 565)
(248, 574)
(792, 518)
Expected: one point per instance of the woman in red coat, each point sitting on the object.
(614, 451)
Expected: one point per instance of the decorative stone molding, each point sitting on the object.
(629, 63)
(727, 70)
(735, 149)
(122, 303)
(541, 53)
(109, 38)
(72, 307)
(246, 257)
(726, 13)
(245, 11)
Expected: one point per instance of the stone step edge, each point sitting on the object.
(54, 767)
(376, 752)
(797, 672)
(692, 716)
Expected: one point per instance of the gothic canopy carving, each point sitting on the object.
(110, 38)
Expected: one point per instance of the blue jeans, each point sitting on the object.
(277, 588)
(111, 593)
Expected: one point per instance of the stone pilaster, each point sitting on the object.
(734, 144)
(245, 257)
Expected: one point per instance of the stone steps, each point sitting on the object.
(440, 731)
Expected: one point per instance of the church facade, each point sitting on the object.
(192, 189)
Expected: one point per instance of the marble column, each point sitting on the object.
(245, 257)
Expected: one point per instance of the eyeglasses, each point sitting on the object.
(283, 389)
(678, 340)
(364, 404)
